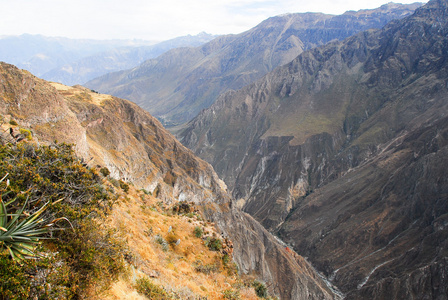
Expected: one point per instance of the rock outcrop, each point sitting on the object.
(342, 153)
(117, 134)
(176, 86)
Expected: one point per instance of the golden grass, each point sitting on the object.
(140, 218)
(85, 93)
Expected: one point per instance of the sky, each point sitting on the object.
(155, 20)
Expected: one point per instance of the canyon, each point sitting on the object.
(117, 134)
(341, 153)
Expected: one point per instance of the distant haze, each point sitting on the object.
(154, 20)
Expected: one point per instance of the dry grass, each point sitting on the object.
(80, 91)
(189, 269)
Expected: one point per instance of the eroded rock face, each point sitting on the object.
(117, 134)
(259, 253)
(342, 152)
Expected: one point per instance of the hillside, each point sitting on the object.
(342, 152)
(116, 134)
(176, 86)
(116, 242)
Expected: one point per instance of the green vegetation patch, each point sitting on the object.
(77, 251)
(151, 290)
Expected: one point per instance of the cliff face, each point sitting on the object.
(341, 152)
(176, 86)
(117, 134)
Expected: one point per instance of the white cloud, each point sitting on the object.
(151, 19)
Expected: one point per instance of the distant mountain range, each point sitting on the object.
(177, 85)
(39, 54)
(117, 59)
(74, 61)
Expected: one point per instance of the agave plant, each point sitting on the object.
(20, 232)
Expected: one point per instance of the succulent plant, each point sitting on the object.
(20, 232)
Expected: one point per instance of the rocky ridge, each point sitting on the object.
(176, 86)
(341, 152)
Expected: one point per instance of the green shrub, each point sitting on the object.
(151, 290)
(260, 289)
(146, 192)
(207, 268)
(225, 259)
(84, 253)
(15, 283)
(231, 294)
(124, 186)
(51, 173)
(198, 232)
(214, 244)
(182, 208)
(93, 253)
(161, 241)
(26, 133)
(105, 171)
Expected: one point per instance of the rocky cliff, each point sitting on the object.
(176, 86)
(341, 152)
(117, 134)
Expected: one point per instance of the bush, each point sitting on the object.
(161, 241)
(207, 268)
(182, 208)
(86, 252)
(26, 133)
(260, 289)
(105, 171)
(49, 172)
(214, 244)
(15, 283)
(231, 294)
(225, 259)
(146, 287)
(172, 239)
(124, 186)
(198, 232)
(93, 253)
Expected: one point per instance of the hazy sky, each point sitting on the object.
(154, 20)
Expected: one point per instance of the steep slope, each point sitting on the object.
(176, 86)
(342, 152)
(117, 134)
(90, 67)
